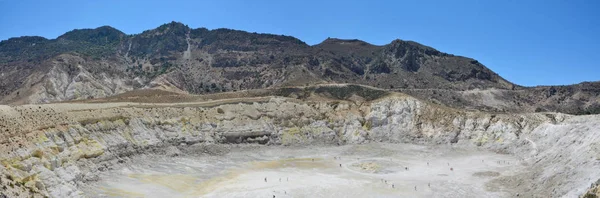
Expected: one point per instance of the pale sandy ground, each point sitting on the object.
(367, 171)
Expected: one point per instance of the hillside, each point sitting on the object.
(194, 59)
(101, 62)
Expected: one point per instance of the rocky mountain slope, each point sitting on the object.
(104, 61)
(53, 149)
(93, 63)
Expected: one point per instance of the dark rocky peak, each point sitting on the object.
(337, 41)
(399, 48)
(22, 48)
(257, 38)
(100, 35)
(170, 29)
(237, 40)
(594, 84)
(24, 39)
(19, 43)
(163, 40)
(348, 47)
(198, 32)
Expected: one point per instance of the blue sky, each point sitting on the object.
(528, 42)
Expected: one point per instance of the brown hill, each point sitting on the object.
(101, 62)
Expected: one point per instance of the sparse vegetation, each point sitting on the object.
(110, 119)
(226, 60)
(345, 92)
(96, 43)
(593, 109)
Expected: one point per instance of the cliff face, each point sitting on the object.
(52, 149)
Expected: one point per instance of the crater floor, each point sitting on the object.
(371, 170)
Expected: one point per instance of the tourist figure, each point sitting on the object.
(265, 179)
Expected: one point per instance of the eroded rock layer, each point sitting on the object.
(51, 149)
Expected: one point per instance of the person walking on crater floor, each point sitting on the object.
(265, 179)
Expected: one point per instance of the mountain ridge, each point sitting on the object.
(104, 61)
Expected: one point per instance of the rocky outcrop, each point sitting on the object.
(70, 80)
(593, 192)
